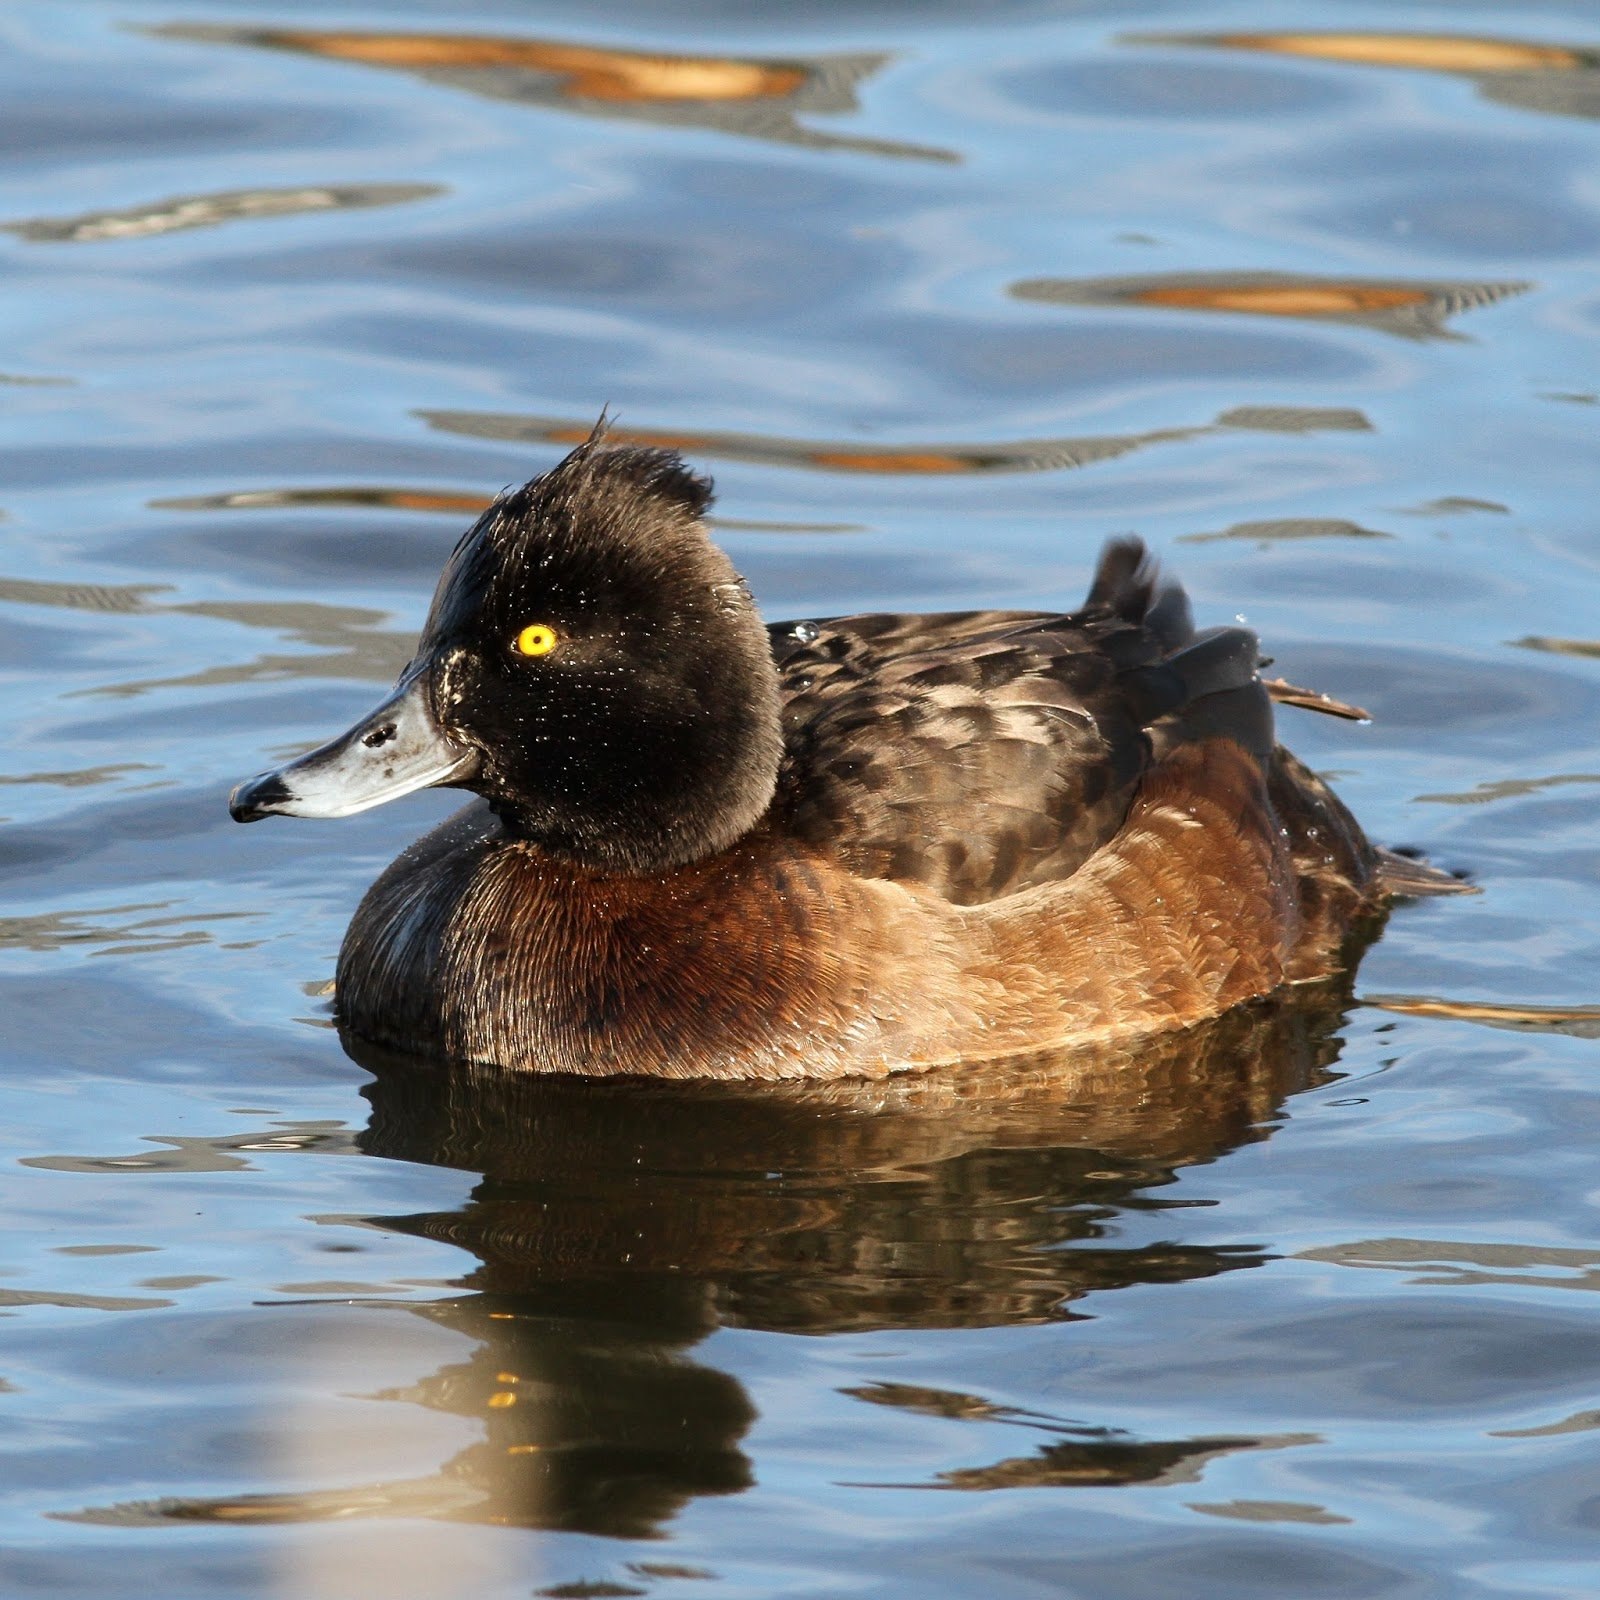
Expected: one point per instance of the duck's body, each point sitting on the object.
(901, 842)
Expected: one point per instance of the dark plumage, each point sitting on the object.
(846, 847)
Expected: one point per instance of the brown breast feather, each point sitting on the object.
(776, 960)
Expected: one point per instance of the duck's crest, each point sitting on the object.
(598, 477)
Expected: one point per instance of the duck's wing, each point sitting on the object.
(980, 753)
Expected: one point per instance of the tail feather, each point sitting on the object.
(1208, 679)
(1124, 579)
(1408, 877)
(1169, 618)
(1128, 583)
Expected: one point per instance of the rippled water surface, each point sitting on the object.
(943, 294)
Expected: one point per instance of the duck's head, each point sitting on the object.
(592, 666)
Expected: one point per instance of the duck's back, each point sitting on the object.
(978, 754)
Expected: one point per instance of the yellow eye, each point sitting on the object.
(537, 639)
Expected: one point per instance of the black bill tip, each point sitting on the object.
(258, 798)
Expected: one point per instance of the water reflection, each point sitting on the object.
(756, 97)
(447, 501)
(911, 460)
(1407, 308)
(1563, 80)
(1581, 1022)
(208, 210)
(1275, 530)
(1104, 1458)
(1076, 1455)
(1456, 1263)
(56, 930)
(347, 640)
(616, 1225)
(1583, 648)
(1509, 788)
(363, 496)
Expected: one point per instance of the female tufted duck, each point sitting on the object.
(707, 848)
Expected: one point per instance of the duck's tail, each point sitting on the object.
(1205, 681)
(1413, 878)
(1129, 583)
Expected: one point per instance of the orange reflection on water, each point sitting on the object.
(1582, 1021)
(826, 455)
(844, 459)
(1553, 79)
(394, 499)
(752, 97)
(593, 72)
(1411, 309)
(1271, 300)
(1423, 52)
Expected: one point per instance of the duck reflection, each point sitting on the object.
(1076, 1456)
(617, 1224)
(756, 97)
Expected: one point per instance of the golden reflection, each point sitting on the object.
(392, 499)
(446, 501)
(1420, 52)
(615, 1225)
(1407, 309)
(1023, 455)
(1582, 1022)
(588, 71)
(913, 460)
(754, 96)
(1534, 75)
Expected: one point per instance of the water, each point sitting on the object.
(942, 294)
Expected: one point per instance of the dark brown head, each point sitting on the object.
(592, 665)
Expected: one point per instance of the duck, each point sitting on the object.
(706, 847)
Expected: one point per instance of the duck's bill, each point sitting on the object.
(397, 749)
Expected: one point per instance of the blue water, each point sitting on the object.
(942, 294)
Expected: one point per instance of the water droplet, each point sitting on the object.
(805, 633)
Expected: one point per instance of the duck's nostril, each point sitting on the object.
(378, 736)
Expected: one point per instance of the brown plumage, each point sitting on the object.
(980, 835)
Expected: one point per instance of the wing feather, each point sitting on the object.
(981, 753)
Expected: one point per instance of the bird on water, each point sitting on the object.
(706, 847)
